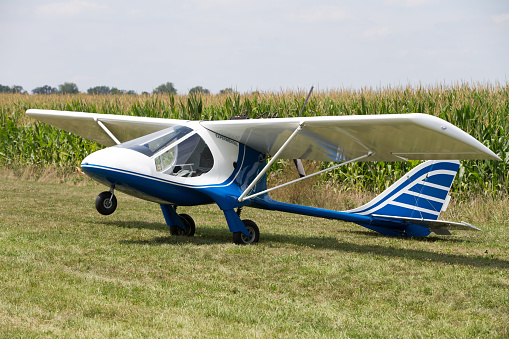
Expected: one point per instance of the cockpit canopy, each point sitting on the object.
(178, 151)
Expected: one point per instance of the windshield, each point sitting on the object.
(152, 143)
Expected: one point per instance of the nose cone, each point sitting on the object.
(109, 164)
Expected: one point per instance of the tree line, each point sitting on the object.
(72, 88)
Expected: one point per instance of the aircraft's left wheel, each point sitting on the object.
(188, 223)
(254, 234)
(106, 203)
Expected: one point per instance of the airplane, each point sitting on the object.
(176, 162)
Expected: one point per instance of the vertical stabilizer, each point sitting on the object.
(422, 193)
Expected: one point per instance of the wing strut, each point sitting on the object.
(244, 196)
(307, 176)
(266, 168)
(107, 131)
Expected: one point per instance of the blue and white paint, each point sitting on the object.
(186, 163)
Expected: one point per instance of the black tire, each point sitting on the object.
(188, 223)
(254, 234)
(106, 203)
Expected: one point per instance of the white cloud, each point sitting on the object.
(498, 19)
(376, 32)
(69, 8)
(318, 15)
(409, 3)
(208, 4)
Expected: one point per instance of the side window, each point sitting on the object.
(205, 159)
(165, 160)
(190, 158)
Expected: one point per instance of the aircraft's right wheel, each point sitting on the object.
(106, 203)
(254, 234)
(188, 223)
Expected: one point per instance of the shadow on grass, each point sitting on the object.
(391, 252)
(210, 236)
(431, 238)
(426, 256)
(203, 236)
(157, 226)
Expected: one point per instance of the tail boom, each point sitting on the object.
(410, 207)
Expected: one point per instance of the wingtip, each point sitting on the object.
(492, 155)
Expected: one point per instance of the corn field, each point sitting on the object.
(481, 110)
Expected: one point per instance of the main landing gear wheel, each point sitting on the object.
(188, 223)
(106, 203)
(254, 234)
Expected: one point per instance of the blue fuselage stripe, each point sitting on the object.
(146, 187)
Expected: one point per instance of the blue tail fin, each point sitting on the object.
(422, 193)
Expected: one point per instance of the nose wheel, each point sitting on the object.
(106, 202)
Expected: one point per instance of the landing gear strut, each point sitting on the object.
(106, 202)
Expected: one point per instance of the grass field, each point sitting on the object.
(66, 271)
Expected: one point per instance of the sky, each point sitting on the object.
(253, 45)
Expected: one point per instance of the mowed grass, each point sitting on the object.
(66, 271)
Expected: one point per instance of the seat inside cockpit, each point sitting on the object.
(192, 158)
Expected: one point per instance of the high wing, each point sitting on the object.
(88, 125)
(389, 137)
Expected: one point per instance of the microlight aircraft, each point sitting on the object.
(186, 163)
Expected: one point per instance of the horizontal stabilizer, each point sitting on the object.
(434, 225)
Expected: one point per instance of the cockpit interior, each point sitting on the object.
(178, 151)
